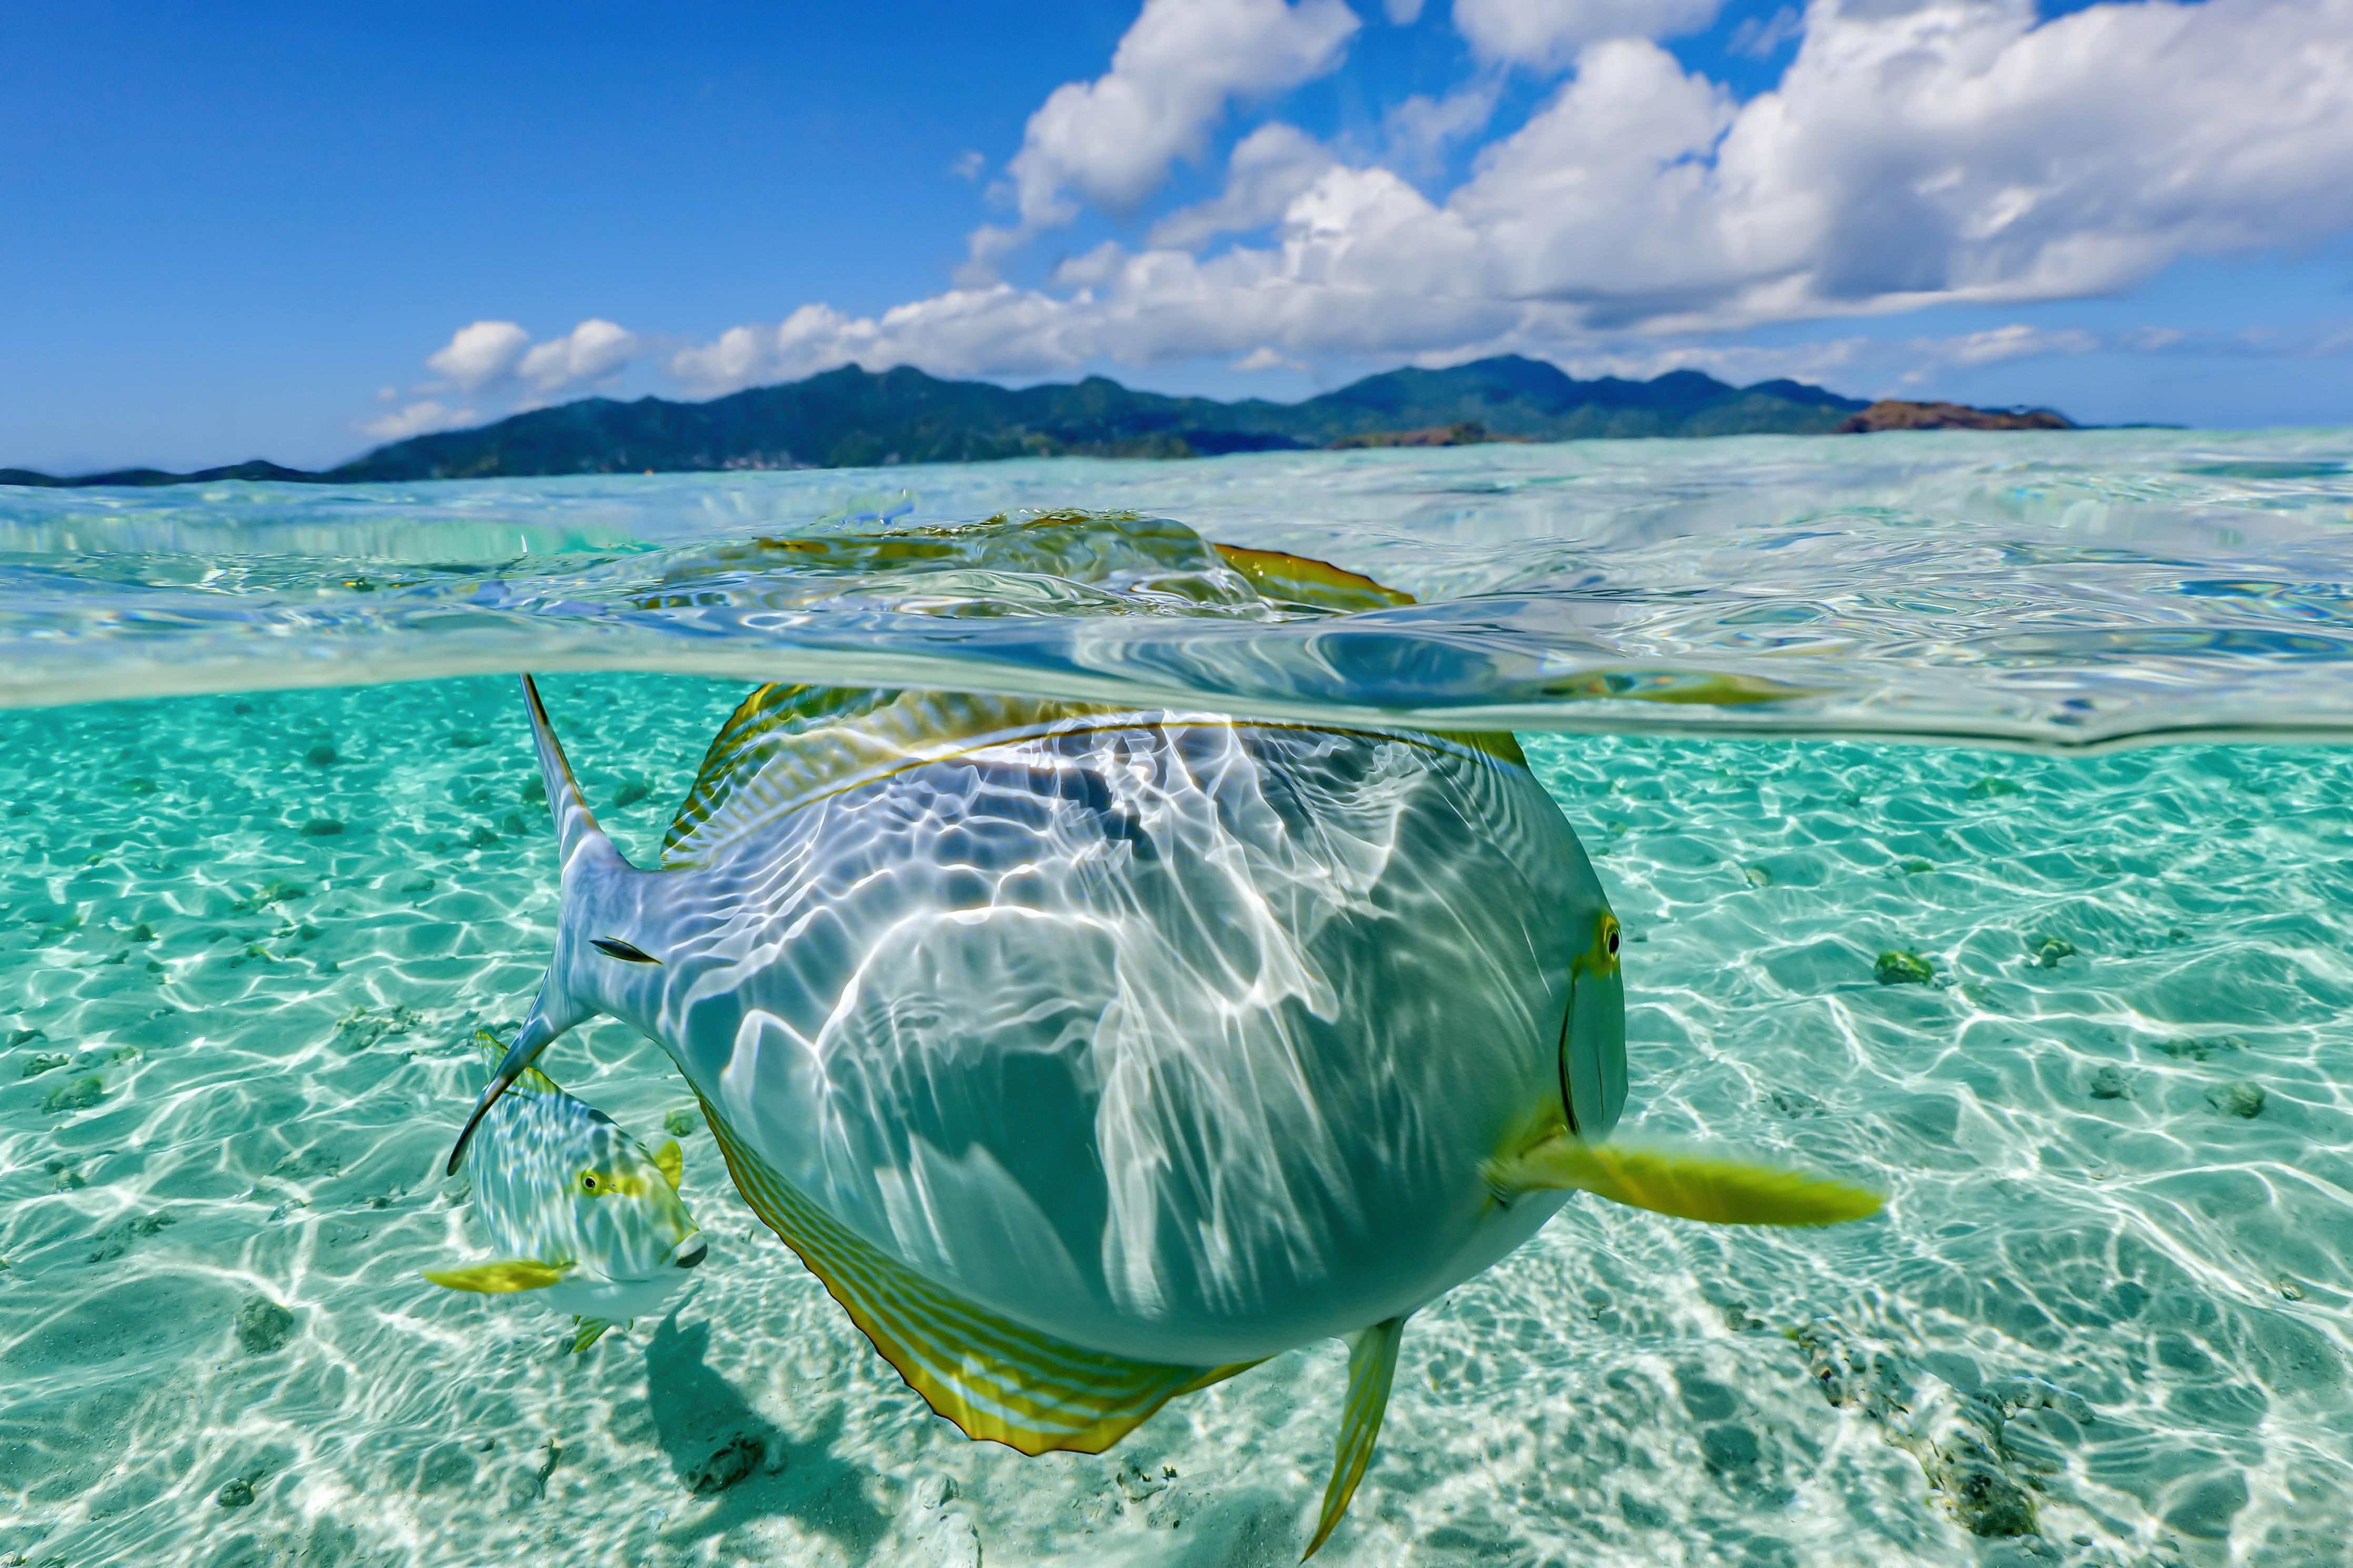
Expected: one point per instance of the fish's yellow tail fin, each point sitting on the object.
(1372, 1365)
(1716, 1189)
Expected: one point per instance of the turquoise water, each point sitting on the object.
(248, 928)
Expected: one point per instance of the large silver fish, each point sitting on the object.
(581, 1216)
(1091, 1054)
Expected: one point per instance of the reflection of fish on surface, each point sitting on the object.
(1091, 1055)
(583, 1215)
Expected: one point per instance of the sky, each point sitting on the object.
(295, 231)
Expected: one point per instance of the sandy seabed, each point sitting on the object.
(244, 943)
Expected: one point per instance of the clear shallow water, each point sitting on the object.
(2105, 1302)
(2059, 589)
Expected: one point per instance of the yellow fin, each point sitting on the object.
(591, 1331)
(530, 1081)
(1372, 1363)
(671, 1160)
(496, 1279)
(785, 746)
(993, 1377)
(1302, 580)
(1689, 1185)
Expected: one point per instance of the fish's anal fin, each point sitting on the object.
(1372, 1364)
(497, 1279)
(1716, 1189)
(994, 1379)
(591, 1331)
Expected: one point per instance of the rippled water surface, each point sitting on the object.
(247, 932)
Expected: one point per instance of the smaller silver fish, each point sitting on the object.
(581, 1214)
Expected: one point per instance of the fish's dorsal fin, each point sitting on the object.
(1303, 581)
(671, 1160)
(498, 1278)
(994, 1378)
(785, 746)
(574, 821)
(1372, 1366)
(1716, 1189)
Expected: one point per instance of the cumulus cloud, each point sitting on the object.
(1546, 34)
(417, 419)
(1268, 170)
(1422, 129)
(583, 356)
(480, 355)
(1956, 150)
(1762, 38)
(1111, 141)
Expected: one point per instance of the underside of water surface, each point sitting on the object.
(273, 848)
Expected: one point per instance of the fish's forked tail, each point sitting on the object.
(581, 844)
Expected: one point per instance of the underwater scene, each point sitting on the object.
(1768, 1001)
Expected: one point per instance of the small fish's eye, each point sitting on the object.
(588, 1183)
(1610, 935)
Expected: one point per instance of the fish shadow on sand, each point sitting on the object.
(727, 1455)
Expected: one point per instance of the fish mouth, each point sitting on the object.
(690, 1252)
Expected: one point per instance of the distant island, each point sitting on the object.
(852, 417)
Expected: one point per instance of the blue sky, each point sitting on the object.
(266, 230)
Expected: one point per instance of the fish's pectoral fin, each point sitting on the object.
(671, 1160)
(1689, 1184)
(1372, 1364)
(496, 1279)
(591, 1331)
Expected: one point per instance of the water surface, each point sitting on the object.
(246, 931)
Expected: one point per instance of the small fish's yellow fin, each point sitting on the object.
(993, 1377)
(496, 1279)
(591, 1331)
(671, 1160)
(1687, 1185)
(1372, 1363)
(530, 1081)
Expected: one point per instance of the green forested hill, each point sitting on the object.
(853, 417)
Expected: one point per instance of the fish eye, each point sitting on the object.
(1609, 933)
(589, 1184)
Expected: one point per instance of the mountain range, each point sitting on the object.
(853, 417)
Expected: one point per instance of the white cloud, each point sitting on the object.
(417, 419)
(1269, 169)
(479, 356)
(1546, 34)
(1956, 151)
(1419, 129)
(1402, 11)
(1761, 37)
(1111, 141)
(587, 354)
(1262, 358)
(2019, 341)
(967, 165)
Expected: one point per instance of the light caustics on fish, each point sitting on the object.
(582, 1217)
(1092, 1054)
